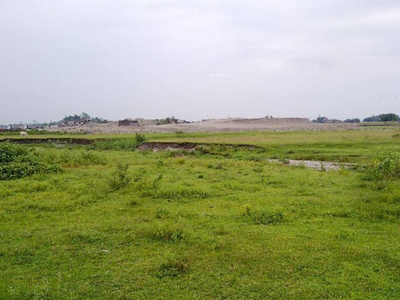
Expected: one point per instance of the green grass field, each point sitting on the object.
(215, 224)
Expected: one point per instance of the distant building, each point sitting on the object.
(128, 122)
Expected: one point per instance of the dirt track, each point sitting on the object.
(222, 125)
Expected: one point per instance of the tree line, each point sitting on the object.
(390, 117)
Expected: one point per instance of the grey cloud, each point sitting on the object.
(193, 59)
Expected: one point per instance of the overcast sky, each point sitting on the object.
(198, 59)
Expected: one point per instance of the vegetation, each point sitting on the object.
(163, 121)
(11, 133)
(16, 162)
(355, 120)
(84, 117)
(139, 138)
(320, 119)
(385, 166)
(216, 223)
(382, 118)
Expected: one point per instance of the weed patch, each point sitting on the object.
(173, 268)
(180, 192)
(16, 162)
(119, 179)
(167, 233)
(384, 166)
(266, 218)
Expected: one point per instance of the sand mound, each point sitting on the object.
(213, 125)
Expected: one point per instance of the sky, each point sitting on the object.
(198, 59)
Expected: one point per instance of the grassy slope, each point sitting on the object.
(196, 231)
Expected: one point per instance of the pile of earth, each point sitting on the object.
(212, 125)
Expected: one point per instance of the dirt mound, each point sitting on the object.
(273, 121)
(213, 125)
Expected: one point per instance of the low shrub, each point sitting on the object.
(11, 153)
(139, 138)
(17, 162)
(167, 233)
(173, 268)
(162, 213)
(267, 218)
(245, 209)
(119, 179)
(384, 166)
(119, 144)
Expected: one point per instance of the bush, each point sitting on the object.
(167, 233)
(139, 138)
(16, 162)
(355, 120)
(120, 144)
(119, 179)
(10, 152)
(384, 166)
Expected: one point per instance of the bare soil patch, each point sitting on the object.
(314, 164)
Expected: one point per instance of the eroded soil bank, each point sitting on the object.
(186, 146)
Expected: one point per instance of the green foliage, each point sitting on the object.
(173, 268)
(139, 138)
(355, 120)
(164, 121)
(70, 158)
(384, 166)
(11, 153)
(373, 119)
(16, 162)
(84, 117)
(119, 179)
(114, 144)
(391, 117)
(246, 209)
(266, 218)
(167, 233)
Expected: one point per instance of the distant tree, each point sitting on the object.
(355, 120)
(373, 119)
(320, 119)
(389, 117)
(85, 116)
(99, 120)
(382, 118)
